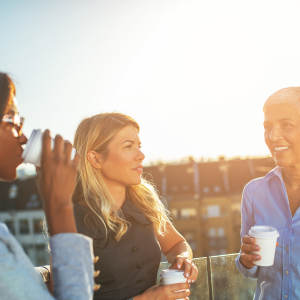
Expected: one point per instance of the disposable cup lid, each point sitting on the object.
(171, 273)
(263, 232)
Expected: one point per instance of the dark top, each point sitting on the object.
(128, 267)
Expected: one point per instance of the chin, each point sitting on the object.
(9, 175)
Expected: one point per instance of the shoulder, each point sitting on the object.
(260, 183)
(87, 222)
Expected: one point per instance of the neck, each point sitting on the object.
(291, 177)
(117, 191)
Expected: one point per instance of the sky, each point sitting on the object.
(193, 74)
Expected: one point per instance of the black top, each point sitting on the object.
(128, 267)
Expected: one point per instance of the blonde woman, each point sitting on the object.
(123, 214)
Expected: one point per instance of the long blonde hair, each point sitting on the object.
(95, 133)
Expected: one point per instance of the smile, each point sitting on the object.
(280, 149)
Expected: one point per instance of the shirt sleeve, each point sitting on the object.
(72, 266)
(247, 223)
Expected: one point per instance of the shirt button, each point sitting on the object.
(289, 227)
(134, 249)
(138, 266)
(286, 248)
(285, 296)
(286, 272)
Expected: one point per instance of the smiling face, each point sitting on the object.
(11, 146)
(124, 162)
(282, 134)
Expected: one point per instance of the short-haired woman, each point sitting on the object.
(72, 269)
(123, 214)
(274, 200)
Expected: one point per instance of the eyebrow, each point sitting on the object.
(284, 119)
(130, 141)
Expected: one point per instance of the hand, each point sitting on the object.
(189, 268)
(247, 247)
(166, 292)
(56, 182)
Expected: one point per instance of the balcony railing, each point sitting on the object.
(218, 279)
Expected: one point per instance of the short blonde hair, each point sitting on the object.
(289, 96)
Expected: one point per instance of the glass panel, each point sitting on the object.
(37, 226)
(23, 227)
(227, 282)
(199, 289)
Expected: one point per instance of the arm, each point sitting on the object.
(245, 258)
(72, 259)
(178, 252)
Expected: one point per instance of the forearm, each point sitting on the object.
(182, 248)
(60, 219)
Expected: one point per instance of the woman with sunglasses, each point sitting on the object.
(72, 260)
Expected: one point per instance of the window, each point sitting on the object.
(213, 211)
(37, 226)
(13, 191)
(11, 226)
(188, 213)
(24, 227)
(33, 201)
(217, 189)
(174, 213)
(206, 190)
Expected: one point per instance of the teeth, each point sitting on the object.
(281, 148)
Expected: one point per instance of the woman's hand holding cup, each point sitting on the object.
(166, 292)
(247, 247)
(186, 265)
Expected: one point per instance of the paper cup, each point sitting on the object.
(170, 276)
(33, 151)
(265, 238)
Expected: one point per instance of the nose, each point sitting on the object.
(141, 155)
(275, 134)
(23, 139)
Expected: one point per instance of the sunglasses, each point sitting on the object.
(16, 121)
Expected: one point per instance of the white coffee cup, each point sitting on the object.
(170, 276)
(33, 151)
(265, 238)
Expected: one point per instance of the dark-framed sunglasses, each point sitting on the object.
(16, 120)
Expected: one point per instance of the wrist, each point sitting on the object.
(241, 261)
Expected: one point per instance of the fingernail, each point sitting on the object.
(257, 256)
(179, 266)
(251, 240)
(96, 258)
(96, 273)
(189, 280)
(187, 274)
(96, 287)
(256, 247)
(193, 280)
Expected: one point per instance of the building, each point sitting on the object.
(204, 199)
(21, 210)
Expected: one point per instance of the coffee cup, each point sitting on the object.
(170, 276)
(265, 238)
(33, 151)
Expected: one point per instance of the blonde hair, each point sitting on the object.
(95, 133)
(289, 96)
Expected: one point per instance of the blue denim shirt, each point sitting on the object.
(72, 269)
(265, 202)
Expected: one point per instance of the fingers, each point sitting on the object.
(68, 151)
(58, 148)
(179, 262)
(187, 268)
(181, 294)
(96, 287)
(177, 287)
(277, 244)
(248, 239)
(250, 257)
(76, 160)
(96, 273)
(194, 273)
(248, 248)
(46, 146)
(96, 258)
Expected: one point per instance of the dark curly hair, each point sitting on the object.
(7, 89)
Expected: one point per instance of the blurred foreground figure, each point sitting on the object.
(274, 200)
(72, 259)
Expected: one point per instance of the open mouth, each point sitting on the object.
(280, 149)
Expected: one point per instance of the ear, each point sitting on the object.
(94, 159)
